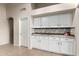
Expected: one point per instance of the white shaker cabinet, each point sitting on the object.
(61, 45)
(40, 42)
(65, 19)
(44, 21)
(45, 42)
(54, 44)
(33, 41)
(53, 20)
(37, 22)
(67, 46)
(36, 42)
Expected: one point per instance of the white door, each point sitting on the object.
(23, 32)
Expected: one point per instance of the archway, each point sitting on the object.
(11, 29)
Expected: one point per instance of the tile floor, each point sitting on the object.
(10, 50)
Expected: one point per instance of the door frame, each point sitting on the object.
(20, 30)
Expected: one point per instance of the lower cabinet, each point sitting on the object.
(45, 43)
(36, 42)
(67, 46)
(53, 44)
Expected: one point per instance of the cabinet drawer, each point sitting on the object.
(53, 38)
(67, 39)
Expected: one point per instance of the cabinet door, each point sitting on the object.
(53, 44)
(45, 42)
(65, 19)
(36, 42)
(44, 21)
(53, 20)
(33, 41)
(66, 45)
(36, 22)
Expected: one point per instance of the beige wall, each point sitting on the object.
(15, 11)
(4, 29)
(76, 24)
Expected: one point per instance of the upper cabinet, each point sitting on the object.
(65, 19)
(59, 20)
(52, 20)
(36, 22)
(53, 15)
(44, 21)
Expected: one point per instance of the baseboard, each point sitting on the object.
(16, 45)
(3, 43)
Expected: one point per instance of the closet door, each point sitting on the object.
(23, 32)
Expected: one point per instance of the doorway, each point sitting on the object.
(23, 30)
(11, 31)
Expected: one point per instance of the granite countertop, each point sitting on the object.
(60, 36)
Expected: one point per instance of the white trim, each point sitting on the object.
(19, 33)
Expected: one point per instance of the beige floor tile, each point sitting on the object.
(10, 50)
